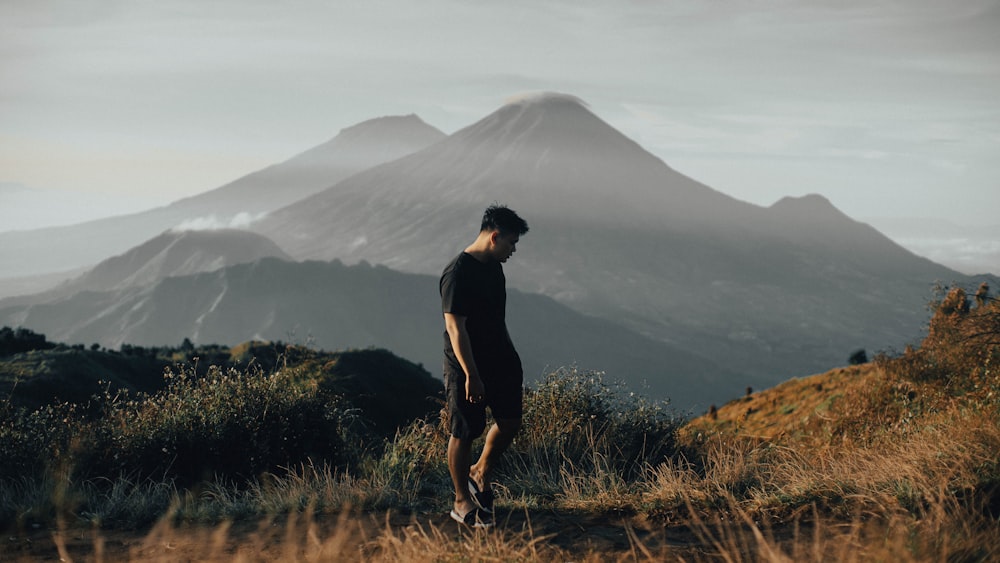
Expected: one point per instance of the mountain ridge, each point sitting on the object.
(171, 253)
(53, 249)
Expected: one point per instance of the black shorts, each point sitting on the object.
(504, 397)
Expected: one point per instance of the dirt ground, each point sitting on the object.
(353, 537)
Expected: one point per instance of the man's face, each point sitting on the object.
(504, 245)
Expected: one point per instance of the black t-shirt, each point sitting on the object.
(477, 291)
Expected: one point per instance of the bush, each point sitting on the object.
(227, 424)
(954, 369)
(15, 341)
(390, 392)
(962, 348)
(858, 357)
(31, 441)
(572, 415)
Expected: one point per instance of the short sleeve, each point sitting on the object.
(454, 292)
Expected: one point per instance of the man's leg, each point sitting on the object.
(466, 423)
(498, 439)
(459, 457)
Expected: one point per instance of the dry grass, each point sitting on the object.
(742, 500)
(890, 461)
(895, 460)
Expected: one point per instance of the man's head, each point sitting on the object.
(502, 228)
(501, 218)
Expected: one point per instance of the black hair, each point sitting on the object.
(501, 218)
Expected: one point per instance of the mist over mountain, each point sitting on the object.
(10, 188)
(31, 285)
(236, 204)
(615, 232)
(26, 208)
(335, 307)
(970, 249)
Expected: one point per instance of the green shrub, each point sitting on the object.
(14, 341)
(388, 391)
(228, 424)
(32, 441)
(572, 415)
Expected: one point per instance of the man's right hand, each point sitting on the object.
(475, 391)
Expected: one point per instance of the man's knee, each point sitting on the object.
(459, 445)
(508, 426)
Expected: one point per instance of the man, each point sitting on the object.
(481, 367)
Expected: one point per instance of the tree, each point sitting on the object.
(16, 341)
(858, 357)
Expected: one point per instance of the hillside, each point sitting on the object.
(892, 397)
(388, 391)
(790, 410)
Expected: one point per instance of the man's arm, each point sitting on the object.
(460, 343)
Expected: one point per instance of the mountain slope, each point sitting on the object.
(938, 388)
(179, 253)
(549, 157)
(615, 232)
(337, 307)
(172, 253)
(354, 149)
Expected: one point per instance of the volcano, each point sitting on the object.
(768, 292)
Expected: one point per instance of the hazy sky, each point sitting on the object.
(886, 107)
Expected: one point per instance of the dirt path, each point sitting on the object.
(352, 537)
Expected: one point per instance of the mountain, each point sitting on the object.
(173, 253)
(335, 306)
(768, 292)
(548, 156)
(178, 253)
(354, 149)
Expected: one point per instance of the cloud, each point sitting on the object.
(25, 207)
(537, 97)
(7, 188)
(213, 222)
(967, 255)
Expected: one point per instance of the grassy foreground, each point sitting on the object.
(894, 460)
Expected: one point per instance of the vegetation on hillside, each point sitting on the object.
(894, 459)
(15, 340)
